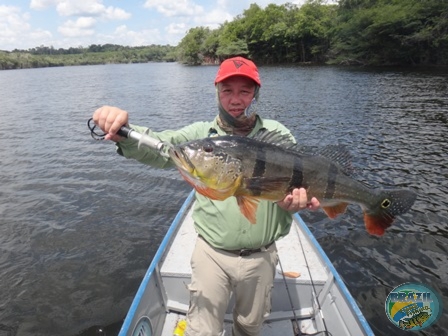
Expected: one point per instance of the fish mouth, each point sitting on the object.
(181, 160)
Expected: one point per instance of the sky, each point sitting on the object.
(72, 23)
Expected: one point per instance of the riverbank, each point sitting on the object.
(21, 59)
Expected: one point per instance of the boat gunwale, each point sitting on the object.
(337, 278)
(155, 262)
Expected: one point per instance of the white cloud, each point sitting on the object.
(176, 29)
(214, 18)
(15, 29)
(93, 8)
(112, 13)
(40, 35)
(42, 4)
(175, 7)
(86, 12)
(124, 36)
(80, 8)
(12, 19)
(83, 26)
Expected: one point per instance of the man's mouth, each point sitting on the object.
(236, 112)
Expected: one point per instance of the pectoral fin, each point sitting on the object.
(248, 207)
(334, 210)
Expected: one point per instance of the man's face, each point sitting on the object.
(236, 94)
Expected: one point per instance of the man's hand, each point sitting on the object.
(297, 201)
(110, 119)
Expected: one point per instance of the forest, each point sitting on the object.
(43, 56)
(351, 32)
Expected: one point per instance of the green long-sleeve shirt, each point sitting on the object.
(220, 223)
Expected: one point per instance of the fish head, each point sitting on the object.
(208, 166)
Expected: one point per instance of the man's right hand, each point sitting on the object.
(110, 119)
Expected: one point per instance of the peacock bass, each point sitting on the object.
(268, 167)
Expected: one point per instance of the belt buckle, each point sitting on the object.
(245, 252)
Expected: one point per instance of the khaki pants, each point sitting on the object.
(215, 275)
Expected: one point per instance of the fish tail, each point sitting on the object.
(389, 204)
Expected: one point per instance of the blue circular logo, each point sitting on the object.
(413, 306)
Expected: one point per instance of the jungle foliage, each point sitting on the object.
(365, 32)
(95, 54)
(368, 32)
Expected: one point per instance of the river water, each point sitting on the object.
(80, 224)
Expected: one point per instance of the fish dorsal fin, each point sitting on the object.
(275, 138)
(337, 153)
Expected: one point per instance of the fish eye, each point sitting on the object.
(208, 148)
(385, 204)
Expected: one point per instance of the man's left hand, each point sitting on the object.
(297, 201)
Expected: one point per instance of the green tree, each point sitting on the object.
(210, 46)
(232, 48)
(391, 32)
(190, 46)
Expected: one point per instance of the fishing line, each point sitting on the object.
(296, 327)
(314, 288)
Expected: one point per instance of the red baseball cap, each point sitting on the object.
(237, 66)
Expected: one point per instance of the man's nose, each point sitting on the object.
(235, 99)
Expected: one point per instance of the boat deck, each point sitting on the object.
(296, 255)
(291, 255)
(274, 328)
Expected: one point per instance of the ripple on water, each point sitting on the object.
(79, 224)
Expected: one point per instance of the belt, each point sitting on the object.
(245, 251)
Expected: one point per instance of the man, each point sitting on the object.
(230, 255)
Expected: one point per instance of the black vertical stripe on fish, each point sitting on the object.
(331, 181)
(259, 171)
(297, 174)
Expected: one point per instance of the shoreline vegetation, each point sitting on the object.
(351, 32)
